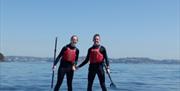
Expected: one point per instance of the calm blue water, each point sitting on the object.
(36, 76)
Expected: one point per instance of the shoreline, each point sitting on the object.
(133, 60)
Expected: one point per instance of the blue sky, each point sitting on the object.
(128, 28)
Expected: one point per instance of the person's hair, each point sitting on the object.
(96, 36)
(74, 36)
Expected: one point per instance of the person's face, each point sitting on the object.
(96, 40)
(74, 41)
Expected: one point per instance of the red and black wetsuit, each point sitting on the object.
(96, 55)
(69, 56)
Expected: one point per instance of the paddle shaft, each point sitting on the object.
(108, 73)
(52, 81)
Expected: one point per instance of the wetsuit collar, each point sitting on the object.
(70, 46)
(96, 46)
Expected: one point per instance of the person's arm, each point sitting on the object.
(59, 56)
(105, 56)
(106, 59)
(77, 56)
(86, 60)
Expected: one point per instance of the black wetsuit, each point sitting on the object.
(96, 68)
(65, 68)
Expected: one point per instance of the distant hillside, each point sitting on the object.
(25, 58)
(133, 60)
(136, 60)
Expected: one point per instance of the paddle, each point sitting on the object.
(112, 83)
(52, 81)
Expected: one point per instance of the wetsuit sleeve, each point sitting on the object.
(59, 56)
(105, 56)
(86, 60)
(77, 56)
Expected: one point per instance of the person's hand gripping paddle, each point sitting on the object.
(112, 83)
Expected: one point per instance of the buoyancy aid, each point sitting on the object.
(96, 56)
(69, 55)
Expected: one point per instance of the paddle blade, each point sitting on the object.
(112, 85)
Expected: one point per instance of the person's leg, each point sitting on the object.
(69, 77)
(91, 76)
(59, 79)
(101, 77)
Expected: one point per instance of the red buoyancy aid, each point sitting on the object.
(69, 55)
(96, 56)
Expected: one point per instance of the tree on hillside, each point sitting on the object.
(1, 57)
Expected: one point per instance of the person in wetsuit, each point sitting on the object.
(96, 55)
(69, 56)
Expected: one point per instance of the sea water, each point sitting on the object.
(36, 76)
